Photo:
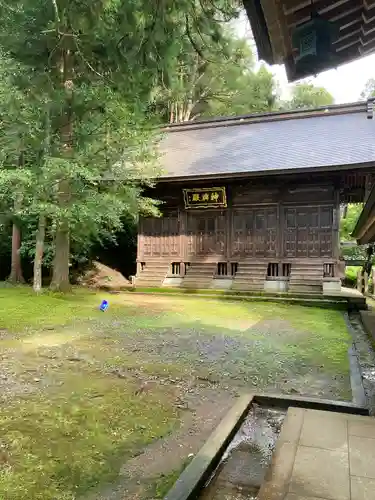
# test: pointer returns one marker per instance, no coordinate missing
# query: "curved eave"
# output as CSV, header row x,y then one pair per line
x,y
364,231
261,173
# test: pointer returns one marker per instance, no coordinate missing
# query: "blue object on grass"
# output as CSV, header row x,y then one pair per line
x,y
104,305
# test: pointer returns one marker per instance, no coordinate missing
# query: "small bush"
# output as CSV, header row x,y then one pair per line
x,y
351,273
354,252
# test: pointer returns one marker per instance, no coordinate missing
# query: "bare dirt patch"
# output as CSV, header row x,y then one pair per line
x,y
102,277
204,410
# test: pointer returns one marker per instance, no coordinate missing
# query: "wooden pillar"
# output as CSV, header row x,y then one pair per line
x,y
229,224
359,281
281,228
140,247
182,269
183,234
368,186
336,226
365,284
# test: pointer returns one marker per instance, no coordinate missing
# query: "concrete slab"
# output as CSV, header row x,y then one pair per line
x,y
324,431
362,488
322,455
362,457
321,473
293,496
362,429
291,429
276,481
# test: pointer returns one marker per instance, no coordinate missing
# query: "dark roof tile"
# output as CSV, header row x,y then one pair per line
x,y
268,146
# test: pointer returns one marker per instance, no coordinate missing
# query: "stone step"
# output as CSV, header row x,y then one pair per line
x,y
307,280
207,275
306,277
153,272
149,283
247,288
303,277
307,271
251,269
145,272
259,275
305,288
249,278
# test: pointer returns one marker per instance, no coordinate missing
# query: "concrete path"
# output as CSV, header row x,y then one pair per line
x,y
322,456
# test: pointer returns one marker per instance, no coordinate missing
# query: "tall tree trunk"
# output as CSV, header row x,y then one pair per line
x,y
16,275
60,276
39,250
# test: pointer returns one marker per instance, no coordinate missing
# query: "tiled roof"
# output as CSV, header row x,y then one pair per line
x,y
270,143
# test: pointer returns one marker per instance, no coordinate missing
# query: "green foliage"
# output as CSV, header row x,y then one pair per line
x,y
369,89
307,95
80,124
349,220
220,80
351,273
354,252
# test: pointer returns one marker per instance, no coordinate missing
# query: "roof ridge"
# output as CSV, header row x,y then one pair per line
x,y
330,110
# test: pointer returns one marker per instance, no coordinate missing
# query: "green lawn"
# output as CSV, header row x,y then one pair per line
x,y
83,391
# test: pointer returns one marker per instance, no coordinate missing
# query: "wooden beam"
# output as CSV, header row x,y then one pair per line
x,y
355,44
367,39
350,20
367,49
348,35
351,28
341,43
341,11
292,6
368,13
368,27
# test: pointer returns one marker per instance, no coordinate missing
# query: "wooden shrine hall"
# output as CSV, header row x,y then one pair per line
x,y
253,203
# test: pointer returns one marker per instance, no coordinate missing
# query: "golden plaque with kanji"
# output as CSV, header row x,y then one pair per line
x,y
205,198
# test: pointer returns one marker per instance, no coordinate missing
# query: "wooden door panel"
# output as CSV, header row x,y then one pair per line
x,y
255,232
170,237
272,231
290,233
206,234
308,231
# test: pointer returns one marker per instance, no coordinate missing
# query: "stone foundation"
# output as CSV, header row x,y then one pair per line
x,y
276,285
331,286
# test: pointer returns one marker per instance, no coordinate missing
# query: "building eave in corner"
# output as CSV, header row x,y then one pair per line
x,y
364,222
255,14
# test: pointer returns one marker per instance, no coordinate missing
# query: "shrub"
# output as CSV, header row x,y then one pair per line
x,y
351,273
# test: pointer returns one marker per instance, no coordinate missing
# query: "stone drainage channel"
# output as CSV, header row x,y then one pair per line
x,y
242,467
244,463
362,363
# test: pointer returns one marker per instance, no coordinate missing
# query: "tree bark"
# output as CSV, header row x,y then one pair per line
x,y
39,250
16,275
60,276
